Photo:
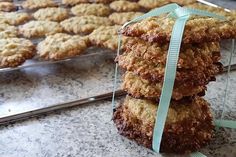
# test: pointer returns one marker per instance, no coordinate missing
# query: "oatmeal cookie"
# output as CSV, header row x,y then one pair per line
x,y
197,30
151,4
91,9
14,18
191,56
141,88
84,24
14,51
8,31
7,6
153,71
61,46
231,16
74,2
106,37
36,4
51,14
124,6
40,28
122,18
188,127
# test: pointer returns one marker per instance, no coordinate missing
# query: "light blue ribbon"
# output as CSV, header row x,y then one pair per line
x,y
181,15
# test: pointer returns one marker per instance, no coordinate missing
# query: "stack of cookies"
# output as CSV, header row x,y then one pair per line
x,y
189,124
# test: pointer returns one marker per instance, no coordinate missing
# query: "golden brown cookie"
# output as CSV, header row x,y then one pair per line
x,y
188,127
106,37
154,71
151,4
84,24
14,18
40,28
61,46
8,31
141,88
74,2
124,6
36,4
7,6
122,18
91,9
14,51
221,11
191,56
51,14
197,30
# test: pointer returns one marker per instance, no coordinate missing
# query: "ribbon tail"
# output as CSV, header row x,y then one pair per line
x,y
197,154
225,123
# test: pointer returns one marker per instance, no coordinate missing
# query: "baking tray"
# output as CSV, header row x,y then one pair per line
x,y
38,87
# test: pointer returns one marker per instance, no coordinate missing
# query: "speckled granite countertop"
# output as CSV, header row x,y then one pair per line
x,y
86,131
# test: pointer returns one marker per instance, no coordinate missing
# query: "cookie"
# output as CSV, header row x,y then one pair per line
x,y
151,4
36,4
61,46
197,30
14,51
231,16
40,28
122,18
14,18
141,88
8,31
91,9
51,14
84,24
74,2
7,6
153,71
106,37
124,6
188,127
191,56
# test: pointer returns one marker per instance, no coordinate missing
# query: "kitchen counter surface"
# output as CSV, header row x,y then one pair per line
x,y
87,130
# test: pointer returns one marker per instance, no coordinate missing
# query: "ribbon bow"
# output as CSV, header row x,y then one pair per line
x,y
181,15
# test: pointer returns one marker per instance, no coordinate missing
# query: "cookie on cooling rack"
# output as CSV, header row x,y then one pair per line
x,y
15,51
106,37
36,4
40,28
8,31
122,18
151,4
124,6
84,24
7,6
61,46
14,18
91,9
51,14
74,2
